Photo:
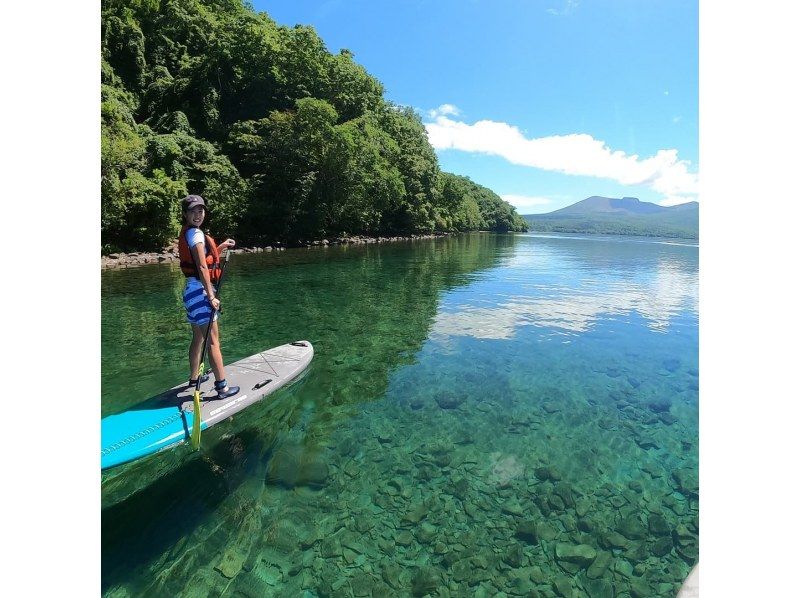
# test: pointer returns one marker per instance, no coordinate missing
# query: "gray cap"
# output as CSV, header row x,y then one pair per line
x,y
191,201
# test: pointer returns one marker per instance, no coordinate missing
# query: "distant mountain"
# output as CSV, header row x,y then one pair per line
x,y
626,216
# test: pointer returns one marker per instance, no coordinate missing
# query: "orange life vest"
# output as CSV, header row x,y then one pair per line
x,y
187,258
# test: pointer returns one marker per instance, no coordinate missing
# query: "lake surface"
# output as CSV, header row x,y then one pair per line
x,y
484,414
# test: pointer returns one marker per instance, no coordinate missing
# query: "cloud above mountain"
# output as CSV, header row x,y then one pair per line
x,y
574,154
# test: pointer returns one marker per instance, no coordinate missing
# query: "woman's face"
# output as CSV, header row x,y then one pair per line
x,y
195,216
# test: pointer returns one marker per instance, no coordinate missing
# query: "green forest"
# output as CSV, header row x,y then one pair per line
x,y
285,140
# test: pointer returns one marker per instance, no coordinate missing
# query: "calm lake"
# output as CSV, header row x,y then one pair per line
x,y
484,414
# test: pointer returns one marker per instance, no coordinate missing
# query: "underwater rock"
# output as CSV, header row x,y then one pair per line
x,y
634,382
582,507
658,525
600,565
614,540
519,586
363,584
587,525
547,473
662,546
688,552
404,538
667,418
636,552
231,563
562,586
416,514
330,548
425,581
387,546
514,556
471,510
646,442
640,588
599,588
555,502
660,406
564,490
632,528
284,466
513,508
314,471
461,570
526,530
426,533
546,531
449,400
687,482
459,488
416,403
671,364
579,554
618,501
624,568
391,574
551,407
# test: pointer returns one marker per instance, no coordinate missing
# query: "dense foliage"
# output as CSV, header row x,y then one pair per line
x,y
654,225
285,140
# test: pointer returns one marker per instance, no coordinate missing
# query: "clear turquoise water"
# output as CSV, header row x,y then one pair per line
x,y
484,414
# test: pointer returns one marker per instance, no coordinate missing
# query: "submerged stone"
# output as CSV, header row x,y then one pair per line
x,y
600,565
391,574
632,528
514,556
425,581
614,540
599,588
662,546
580,554
640,588
687,482
449,399
546,531
527,531
658,525
426,533
563,586
404,538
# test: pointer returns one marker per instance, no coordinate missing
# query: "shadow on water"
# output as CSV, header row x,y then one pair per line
x,y
148,523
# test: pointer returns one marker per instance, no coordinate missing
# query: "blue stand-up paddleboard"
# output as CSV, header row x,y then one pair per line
x,y
166,420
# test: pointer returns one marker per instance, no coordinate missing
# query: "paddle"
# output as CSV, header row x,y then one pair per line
x,y
197,417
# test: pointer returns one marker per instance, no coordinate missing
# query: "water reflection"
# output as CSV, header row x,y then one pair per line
x,y
566,286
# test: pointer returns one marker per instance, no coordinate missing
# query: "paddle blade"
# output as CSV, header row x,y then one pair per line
x,y
196,421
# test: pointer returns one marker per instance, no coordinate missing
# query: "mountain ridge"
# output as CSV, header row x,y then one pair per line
x,y
624,216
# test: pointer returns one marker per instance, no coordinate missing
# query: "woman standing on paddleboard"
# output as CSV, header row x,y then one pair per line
x,y
199,260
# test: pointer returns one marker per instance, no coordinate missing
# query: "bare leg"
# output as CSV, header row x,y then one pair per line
x,y
215,353
195,348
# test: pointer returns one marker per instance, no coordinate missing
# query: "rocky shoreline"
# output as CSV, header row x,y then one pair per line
x,y
170,254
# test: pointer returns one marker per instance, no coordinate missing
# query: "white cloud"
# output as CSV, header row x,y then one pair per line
x,y
526,201
569,8
444,110
676,119
574,154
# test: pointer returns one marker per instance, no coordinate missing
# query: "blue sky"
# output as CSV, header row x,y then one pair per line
x,y
546,102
